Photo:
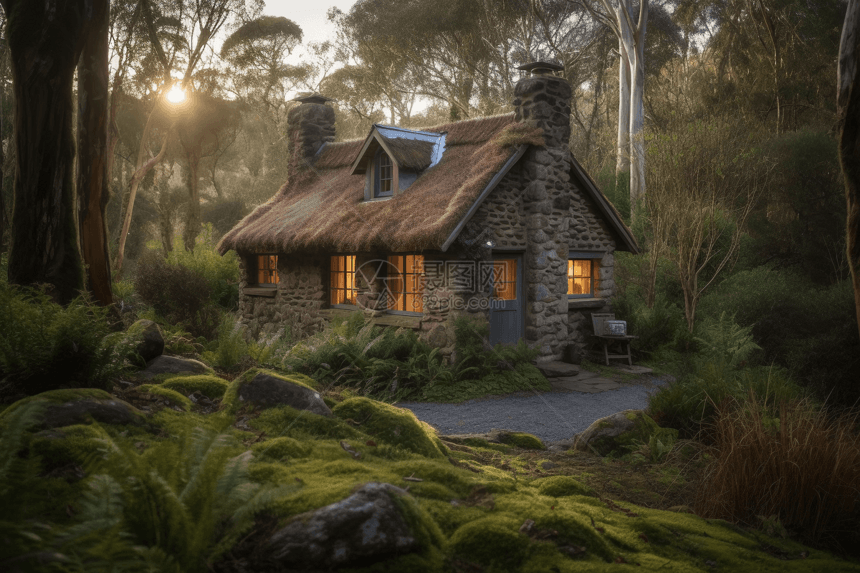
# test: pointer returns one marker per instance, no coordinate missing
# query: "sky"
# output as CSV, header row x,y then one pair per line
x,y
310,15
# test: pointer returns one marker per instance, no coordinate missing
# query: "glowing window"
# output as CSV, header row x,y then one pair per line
x,y
505,279
343,289
582,277
267,270
405,283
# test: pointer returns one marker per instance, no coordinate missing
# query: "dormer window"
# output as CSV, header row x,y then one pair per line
x,y
384,175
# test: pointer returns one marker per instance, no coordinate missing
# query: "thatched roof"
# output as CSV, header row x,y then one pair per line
x,y
324,209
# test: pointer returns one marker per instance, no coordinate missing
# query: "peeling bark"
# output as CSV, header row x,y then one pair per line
x,y
92,158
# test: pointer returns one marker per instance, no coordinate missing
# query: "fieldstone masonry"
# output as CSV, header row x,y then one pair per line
x,y
536,210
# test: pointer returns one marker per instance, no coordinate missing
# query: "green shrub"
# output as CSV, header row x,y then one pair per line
x,y
44,345
221,273
177,293
807,328
692,401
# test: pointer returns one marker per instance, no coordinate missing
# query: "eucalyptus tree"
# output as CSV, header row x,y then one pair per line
x,y
46,40
457,51
256,54
180,33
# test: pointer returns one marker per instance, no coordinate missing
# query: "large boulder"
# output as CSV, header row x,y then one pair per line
x,y
151,343
366,527
172,365
268,390
621,431
81,406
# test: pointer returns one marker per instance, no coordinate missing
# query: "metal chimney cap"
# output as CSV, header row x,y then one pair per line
x,y
541,68
313,98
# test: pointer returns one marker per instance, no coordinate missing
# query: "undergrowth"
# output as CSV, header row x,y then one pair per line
x,y
44,345
396,365
791,468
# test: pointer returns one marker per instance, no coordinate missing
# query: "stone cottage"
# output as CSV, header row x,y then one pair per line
x,y
491,217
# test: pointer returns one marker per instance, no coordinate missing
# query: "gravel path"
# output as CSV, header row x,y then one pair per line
x,y
551,416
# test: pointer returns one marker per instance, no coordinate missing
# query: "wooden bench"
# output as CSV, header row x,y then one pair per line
x,y
621,343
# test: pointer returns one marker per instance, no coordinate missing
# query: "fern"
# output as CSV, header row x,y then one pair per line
x,y
182,499
725,342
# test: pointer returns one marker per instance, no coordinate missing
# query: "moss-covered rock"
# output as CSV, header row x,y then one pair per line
x,y
172,397
492,541
620,432
561,486
81,406
281,448
521,440
210,386
172,366
150,341
267,389
396,426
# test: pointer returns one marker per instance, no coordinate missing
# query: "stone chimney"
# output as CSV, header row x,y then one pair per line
x,y
309,126
542,99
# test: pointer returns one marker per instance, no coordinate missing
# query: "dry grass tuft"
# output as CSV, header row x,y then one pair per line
x,y
800,471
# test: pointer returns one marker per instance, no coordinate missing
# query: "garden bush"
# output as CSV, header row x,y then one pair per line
x,y
177,293
44,345
807,328
691,403
221,273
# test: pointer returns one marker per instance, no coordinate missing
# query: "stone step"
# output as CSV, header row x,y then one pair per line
x,y
589,385
557,369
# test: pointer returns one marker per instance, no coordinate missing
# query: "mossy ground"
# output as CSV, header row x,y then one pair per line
x,y
476,506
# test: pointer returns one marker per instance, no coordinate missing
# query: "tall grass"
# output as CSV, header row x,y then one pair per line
x,y
801,468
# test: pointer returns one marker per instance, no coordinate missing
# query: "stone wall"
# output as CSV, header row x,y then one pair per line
x,y
299,295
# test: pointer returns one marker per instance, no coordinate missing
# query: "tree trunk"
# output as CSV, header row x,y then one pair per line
x,y
637,112
45,41
848,104
192,220
136,178
92,180
622,160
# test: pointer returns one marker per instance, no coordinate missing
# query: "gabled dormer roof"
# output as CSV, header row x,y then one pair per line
x,y
409,149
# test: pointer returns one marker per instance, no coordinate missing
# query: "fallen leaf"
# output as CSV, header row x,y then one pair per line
x,y
644,538
370,443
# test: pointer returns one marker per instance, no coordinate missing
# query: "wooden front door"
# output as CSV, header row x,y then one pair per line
x,y
506,301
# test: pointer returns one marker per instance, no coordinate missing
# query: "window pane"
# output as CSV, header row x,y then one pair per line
x,y
505,279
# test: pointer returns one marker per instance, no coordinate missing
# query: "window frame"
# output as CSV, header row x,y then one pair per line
x,y
595,259
406,274
377,175
331,289
255,262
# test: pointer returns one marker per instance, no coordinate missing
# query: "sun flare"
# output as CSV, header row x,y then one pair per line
x,y
176,94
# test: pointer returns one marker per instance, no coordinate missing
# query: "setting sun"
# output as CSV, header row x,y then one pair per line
x,y
176,94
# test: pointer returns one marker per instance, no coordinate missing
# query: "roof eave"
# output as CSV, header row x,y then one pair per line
x,y
359,165
609,213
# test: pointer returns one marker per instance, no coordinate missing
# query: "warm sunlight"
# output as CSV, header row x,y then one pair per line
x,y
176,94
